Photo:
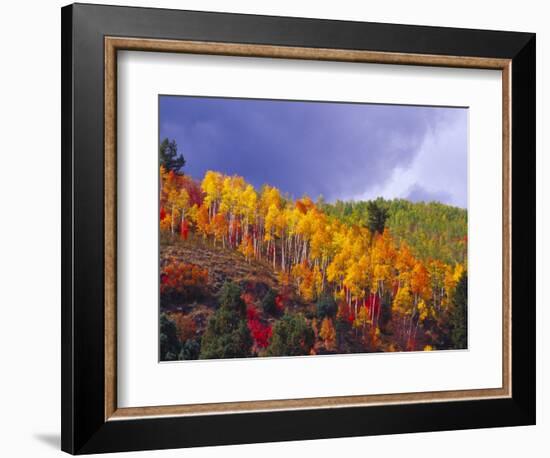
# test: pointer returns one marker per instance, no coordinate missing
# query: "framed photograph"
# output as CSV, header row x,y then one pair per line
x,y
281,228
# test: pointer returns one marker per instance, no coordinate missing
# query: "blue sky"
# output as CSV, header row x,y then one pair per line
x,y
337,150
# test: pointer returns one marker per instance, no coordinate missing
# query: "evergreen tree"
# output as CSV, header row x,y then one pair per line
x,y
343,328
169,341
268,302
292,336
459,314
227,334
169,157
326,306
377,216
230,297
190,350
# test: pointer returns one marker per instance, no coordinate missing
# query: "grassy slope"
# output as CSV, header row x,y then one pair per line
x,y
222,264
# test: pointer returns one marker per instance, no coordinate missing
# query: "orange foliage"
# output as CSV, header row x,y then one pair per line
x,y
185,325
184,280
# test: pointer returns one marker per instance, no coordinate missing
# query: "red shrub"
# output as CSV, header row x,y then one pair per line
x,y
252,313
261,333
183,281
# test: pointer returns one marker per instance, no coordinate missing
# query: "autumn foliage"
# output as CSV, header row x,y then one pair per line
x,y
390,290
260,331
183,280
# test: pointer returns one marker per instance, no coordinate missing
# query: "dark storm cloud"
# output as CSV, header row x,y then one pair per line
x,y
338,150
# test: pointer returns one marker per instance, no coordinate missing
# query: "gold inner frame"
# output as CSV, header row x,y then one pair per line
x,y
114,44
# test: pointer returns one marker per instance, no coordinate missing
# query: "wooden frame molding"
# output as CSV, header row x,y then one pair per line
x,y
114,44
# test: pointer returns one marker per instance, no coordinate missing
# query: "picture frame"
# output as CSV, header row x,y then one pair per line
x,y
92,35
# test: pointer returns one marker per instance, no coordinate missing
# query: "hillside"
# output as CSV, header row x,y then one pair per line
x,y
248,272
222,264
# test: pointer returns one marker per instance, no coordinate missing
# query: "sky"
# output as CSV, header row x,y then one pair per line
x,y
338,150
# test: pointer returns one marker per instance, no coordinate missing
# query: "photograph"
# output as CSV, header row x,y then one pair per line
x,y
303,228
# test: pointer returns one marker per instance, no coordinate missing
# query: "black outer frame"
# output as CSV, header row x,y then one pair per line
x,y
84,429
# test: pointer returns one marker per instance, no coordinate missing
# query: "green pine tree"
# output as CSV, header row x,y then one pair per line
x,y
292,336
227,334
459,314
169,157
170,344
377,216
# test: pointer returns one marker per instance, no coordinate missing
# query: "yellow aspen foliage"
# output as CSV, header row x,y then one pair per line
x,y
317,281
219,227
202,221
321,236
247,247
424,311
231,195
458,271
212,184
250,203
166,222
362,319
404,262
403,301
270,196
181,201
451,278
419,279
192,213
271,222
305,280
336,270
